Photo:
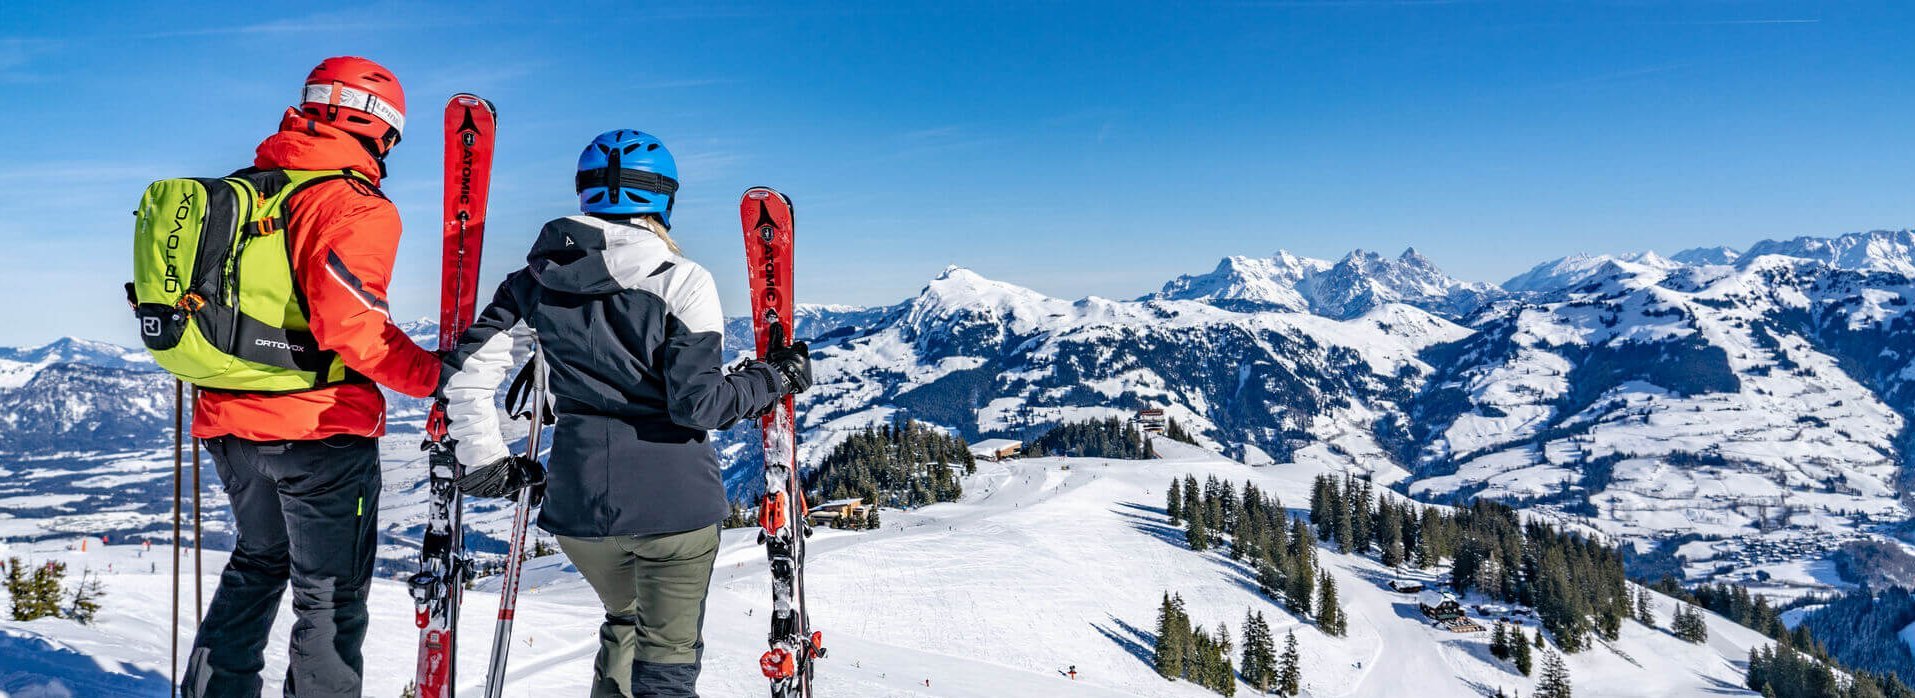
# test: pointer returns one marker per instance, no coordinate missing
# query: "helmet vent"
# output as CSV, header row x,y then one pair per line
x,y
649,147
628,149
595,198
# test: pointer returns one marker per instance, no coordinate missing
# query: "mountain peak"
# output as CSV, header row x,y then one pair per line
x,y
1876,250
1707,256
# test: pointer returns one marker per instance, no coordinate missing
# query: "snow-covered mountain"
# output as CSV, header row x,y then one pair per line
x,y
1880,250
985,357
1249,283
1713,401
1768,398
1362,281
1576,270
1707,256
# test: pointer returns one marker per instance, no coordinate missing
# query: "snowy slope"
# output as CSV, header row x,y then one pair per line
x,y
1045,563
1712,401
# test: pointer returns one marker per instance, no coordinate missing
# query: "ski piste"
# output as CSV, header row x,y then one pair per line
x,y
443,566
766,215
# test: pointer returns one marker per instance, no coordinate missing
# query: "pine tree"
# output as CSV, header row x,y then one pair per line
x,y
1197,534
1213,504
1172,638
1519,649
1224,681
1554,682
1289,668
1361,523
1259,652
1428,550
1320,507
18,590
1689,625
1193,499
1227,505
36,594
1174,503
1302,573
1609,623
736,518
1330,616
84,603
1645,608
1499,641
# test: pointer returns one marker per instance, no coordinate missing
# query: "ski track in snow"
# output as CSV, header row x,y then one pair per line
x,y
1044,564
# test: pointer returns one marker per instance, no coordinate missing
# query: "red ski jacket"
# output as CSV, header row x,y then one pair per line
x,y
344,238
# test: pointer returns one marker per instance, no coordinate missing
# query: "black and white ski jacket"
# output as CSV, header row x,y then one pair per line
x,y
632,340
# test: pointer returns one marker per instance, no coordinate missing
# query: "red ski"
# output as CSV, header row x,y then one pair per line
x,y
443,566
766,215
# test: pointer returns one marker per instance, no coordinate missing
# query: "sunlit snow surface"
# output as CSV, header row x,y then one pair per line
x,y
1044,564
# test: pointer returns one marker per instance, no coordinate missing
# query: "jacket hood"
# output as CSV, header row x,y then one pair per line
x,y
305,144
595,257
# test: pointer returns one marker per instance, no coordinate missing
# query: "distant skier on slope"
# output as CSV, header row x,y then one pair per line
x,y
631,334
302,466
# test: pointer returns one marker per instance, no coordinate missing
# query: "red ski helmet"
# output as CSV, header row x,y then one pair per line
x,y
358,96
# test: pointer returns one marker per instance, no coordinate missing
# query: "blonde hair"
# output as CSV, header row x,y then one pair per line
x,y
650,221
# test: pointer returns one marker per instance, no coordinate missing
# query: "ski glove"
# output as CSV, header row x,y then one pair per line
x,y
793,364
505,477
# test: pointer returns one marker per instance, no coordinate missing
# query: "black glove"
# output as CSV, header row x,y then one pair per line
x,y
505,477
793,364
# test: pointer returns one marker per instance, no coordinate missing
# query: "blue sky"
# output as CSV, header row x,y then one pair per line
x,y
1076,148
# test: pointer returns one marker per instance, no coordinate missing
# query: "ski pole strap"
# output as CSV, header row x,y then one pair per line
x,y
520,393
629,179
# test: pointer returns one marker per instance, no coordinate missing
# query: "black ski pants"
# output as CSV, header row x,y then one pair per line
x,y
307,513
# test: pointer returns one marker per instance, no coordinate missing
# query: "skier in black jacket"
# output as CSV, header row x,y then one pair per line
x,y
631,336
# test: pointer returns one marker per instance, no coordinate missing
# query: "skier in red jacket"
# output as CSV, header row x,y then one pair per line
x,y
302,469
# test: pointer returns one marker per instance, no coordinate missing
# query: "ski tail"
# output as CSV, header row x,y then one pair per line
x,y
766,216
470,129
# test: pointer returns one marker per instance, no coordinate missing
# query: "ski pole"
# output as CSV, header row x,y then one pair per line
x,y
521,515
199,606
179,421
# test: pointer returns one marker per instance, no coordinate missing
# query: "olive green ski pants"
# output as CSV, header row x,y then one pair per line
x,y
653,588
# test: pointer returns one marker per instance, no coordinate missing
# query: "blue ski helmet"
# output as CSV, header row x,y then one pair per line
x,y
627,172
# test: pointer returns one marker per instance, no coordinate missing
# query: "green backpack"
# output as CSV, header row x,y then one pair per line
x,y
213,283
